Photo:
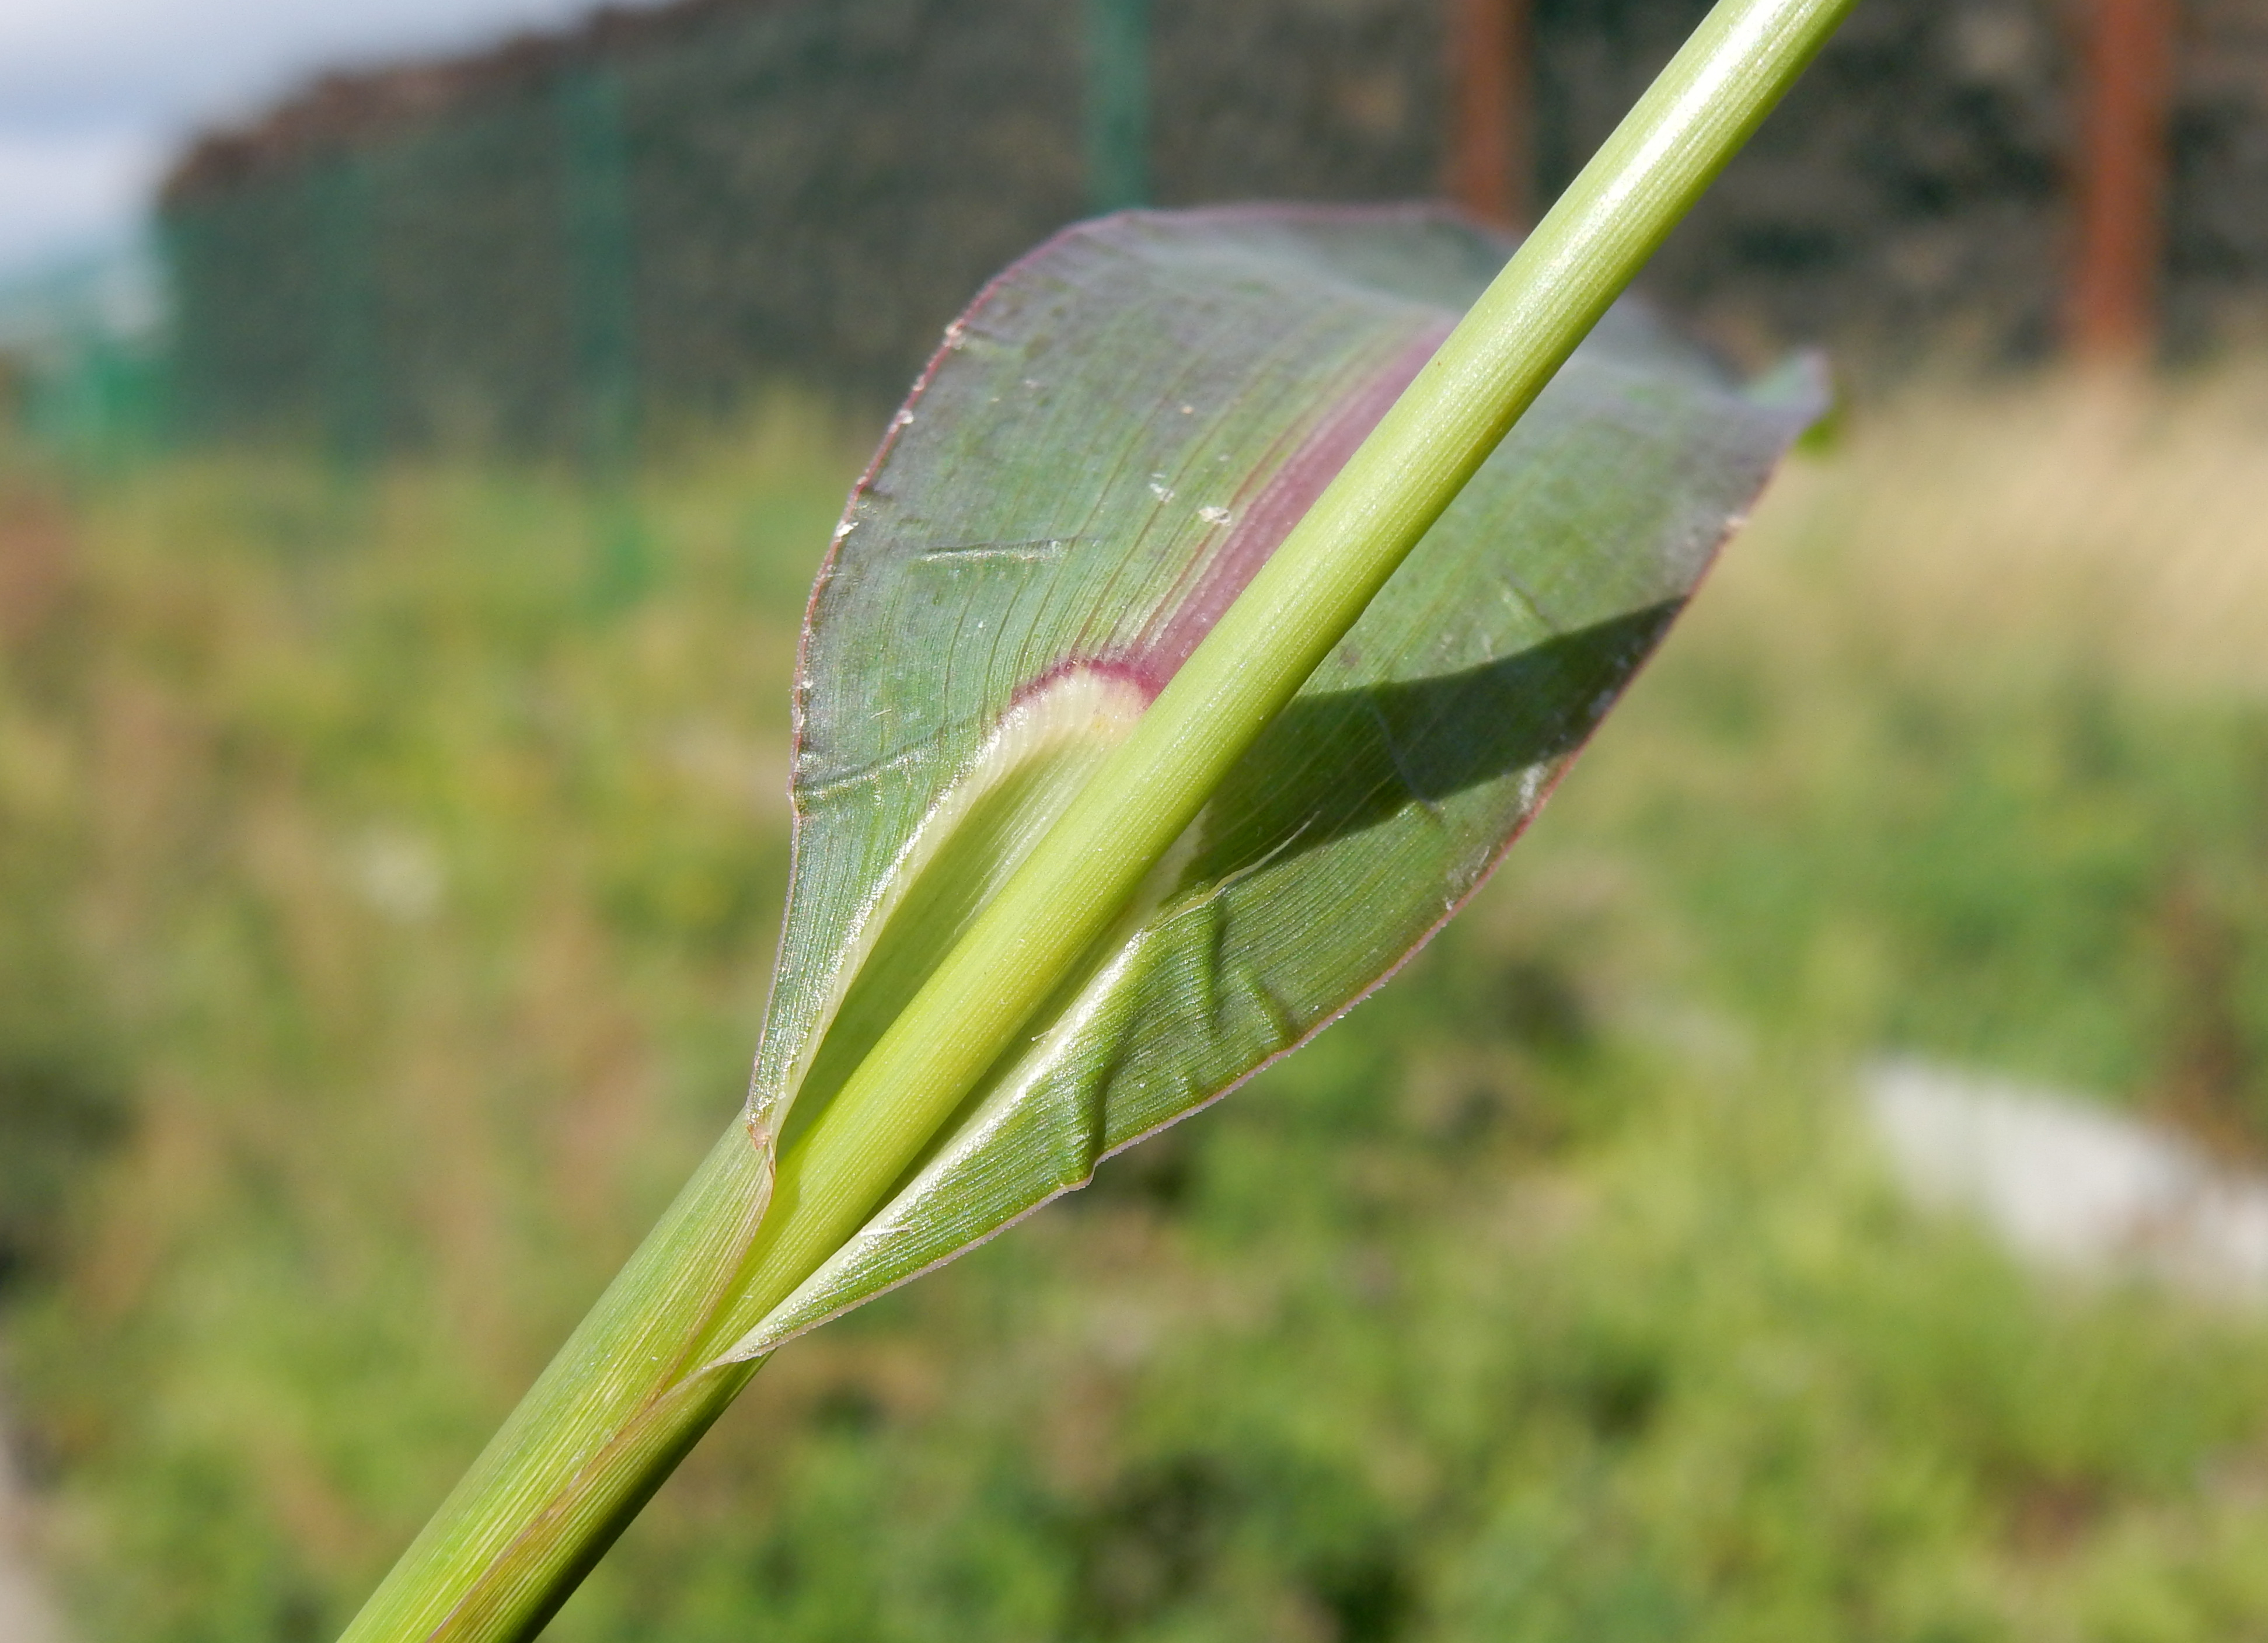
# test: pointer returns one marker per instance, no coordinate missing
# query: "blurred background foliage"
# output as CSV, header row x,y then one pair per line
x,y
389,867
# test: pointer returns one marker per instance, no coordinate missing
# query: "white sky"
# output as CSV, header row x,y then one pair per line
x,y
95,94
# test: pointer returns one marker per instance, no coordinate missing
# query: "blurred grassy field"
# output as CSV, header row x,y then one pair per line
x,y
388,872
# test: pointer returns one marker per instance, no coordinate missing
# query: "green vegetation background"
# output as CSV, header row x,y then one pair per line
x,y
388,870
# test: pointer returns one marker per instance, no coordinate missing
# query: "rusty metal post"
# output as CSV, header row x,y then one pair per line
x,y
1489,109
2112,313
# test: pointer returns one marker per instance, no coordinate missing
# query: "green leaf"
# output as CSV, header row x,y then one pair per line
x,y
1113,440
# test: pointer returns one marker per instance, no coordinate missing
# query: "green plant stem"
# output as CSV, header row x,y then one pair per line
x,y
649,1370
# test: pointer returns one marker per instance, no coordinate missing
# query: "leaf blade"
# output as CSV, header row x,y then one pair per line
x,y
1403,769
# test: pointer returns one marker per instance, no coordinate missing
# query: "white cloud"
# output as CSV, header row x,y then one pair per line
x,y
200,58
62,190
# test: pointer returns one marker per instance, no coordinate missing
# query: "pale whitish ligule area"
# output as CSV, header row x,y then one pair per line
x,y
976,835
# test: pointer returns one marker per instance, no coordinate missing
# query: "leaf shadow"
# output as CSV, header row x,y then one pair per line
x,y
1343,761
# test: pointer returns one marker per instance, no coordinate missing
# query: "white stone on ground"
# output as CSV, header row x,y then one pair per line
x,y
2070,1186
26,1613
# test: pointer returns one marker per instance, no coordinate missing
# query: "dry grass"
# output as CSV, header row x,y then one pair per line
x,y
2090,519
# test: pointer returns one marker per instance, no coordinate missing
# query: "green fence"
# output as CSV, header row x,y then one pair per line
x,y
569,244
96,401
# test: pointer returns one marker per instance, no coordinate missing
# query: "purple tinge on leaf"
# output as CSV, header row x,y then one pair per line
x,y
1282,497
